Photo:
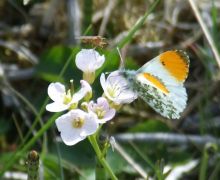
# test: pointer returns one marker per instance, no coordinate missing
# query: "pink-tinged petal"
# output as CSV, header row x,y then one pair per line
x,y
82,60
127,97
90,125
69,134
56,107
110,114
64,122
102,110
56,91
102,81
71,140
114,78
91,106
116,88
85,88
105,86
100,61
88,60
103,102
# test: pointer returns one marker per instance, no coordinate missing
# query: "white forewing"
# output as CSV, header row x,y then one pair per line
x,y
160,83
155,68
169,105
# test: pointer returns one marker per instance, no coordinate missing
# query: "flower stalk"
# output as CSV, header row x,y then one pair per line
x,y
101,157
33,165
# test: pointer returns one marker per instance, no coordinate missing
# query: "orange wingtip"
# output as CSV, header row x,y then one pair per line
x,y
176,63
156,82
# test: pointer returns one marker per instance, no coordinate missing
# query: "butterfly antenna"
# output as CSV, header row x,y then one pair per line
x,y
122,62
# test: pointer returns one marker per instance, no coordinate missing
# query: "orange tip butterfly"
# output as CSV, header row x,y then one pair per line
x,y
159,82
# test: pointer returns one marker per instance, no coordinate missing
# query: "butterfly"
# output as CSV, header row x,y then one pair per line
x,y
160,82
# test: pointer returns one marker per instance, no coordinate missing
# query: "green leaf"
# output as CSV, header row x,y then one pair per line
x,y
150,126
80,154
116,162
53,60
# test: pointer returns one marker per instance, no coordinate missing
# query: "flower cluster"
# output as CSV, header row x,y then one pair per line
x,y
84,115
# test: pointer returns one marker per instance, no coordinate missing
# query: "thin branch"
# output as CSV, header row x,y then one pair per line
x,y
107,13
21,51
74,17
48,17
128,158
168,138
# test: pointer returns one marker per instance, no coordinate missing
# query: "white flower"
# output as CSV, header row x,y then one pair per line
x,y
116,88
102,110
63,99
89,60
85,90
76,125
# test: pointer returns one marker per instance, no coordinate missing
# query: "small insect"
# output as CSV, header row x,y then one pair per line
x,y
96,41
159,82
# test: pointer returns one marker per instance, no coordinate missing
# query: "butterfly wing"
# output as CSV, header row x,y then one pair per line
x,y
160,83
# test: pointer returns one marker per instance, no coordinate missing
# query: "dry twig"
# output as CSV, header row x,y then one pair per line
x,y
168,138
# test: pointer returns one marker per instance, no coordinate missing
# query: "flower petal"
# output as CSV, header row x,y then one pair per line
x,y
85,88
90,125
56,91
116,88
68,133
71,140
114,77
103,102
127,96
105,87
88,60
108,116
56,107
100,61
103,81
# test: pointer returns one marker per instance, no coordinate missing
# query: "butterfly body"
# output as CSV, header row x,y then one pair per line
x,y
160,83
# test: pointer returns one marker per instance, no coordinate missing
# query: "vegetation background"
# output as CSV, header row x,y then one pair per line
x,y
38,43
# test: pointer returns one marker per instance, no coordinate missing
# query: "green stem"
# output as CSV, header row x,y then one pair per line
x,y
99,154
19,153
42,109
137,26
203,166
33,165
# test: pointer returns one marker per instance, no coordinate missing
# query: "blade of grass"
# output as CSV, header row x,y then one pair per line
x,y
18,127
145,158
137,26
26,146
42,109
62,177
205,31
203,166
23,147
130,161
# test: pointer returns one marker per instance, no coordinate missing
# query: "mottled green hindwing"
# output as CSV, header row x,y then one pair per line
x,y
159,101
